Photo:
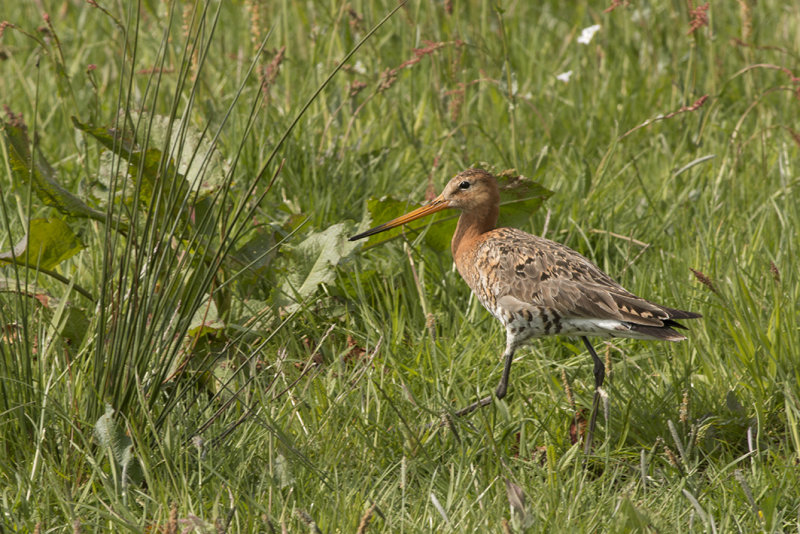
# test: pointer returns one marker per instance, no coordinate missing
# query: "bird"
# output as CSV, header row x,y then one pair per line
x,y
537,287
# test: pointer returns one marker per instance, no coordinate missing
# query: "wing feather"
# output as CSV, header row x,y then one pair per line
x,y
543,273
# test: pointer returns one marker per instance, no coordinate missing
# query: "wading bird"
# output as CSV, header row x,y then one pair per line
x,y
536,287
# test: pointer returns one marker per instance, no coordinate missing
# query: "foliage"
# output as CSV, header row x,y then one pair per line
x,y
189,342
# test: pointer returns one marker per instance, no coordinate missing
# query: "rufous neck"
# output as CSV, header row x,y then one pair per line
x,y
471,225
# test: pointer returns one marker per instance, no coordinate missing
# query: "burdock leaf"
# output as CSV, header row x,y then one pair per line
x,y
205,320
41,176
147,162
156,174
519,199
251,262
196,156
48,243
112,437
312,263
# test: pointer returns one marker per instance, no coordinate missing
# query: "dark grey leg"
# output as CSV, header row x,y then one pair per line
x,y
502,387
599,377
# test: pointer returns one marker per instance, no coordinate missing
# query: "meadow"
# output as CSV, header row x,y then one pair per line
x,y
190,343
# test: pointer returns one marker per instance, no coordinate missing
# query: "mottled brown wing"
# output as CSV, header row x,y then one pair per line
x,y
547,274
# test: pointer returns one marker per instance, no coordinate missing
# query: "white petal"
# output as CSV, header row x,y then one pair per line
x,y
564,76
587,34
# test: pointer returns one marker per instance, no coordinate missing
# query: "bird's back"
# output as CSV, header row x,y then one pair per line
x,y
537,287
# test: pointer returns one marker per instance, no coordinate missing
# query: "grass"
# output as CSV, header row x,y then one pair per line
x,y
264,377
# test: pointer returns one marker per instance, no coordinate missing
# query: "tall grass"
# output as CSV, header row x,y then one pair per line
x,y
216,357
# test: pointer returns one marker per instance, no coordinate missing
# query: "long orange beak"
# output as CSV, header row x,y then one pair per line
x,y
437,204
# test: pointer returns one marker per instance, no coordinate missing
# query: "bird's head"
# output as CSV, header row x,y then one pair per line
x,y
471,190
468,190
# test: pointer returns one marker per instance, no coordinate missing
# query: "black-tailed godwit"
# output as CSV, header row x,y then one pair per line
x,y
536,287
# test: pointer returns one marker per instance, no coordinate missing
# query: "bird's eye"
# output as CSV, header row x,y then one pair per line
x,y
464,185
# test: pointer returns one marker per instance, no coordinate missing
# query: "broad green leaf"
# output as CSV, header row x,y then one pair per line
x,y
112,437
198,160
312,263
520,198
251,261
440,234
74,326
283,471
517,213
111,176
147,166
194,162
41,176
29,289
258,251
48,243
148,162
514,186
205,319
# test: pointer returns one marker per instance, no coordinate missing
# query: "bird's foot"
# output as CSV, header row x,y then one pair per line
x,y
474,406
448,420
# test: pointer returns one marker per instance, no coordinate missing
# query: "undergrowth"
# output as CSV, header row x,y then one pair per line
x,y
190,343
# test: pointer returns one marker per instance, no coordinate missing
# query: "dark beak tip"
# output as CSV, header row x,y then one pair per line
x,y
357,237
